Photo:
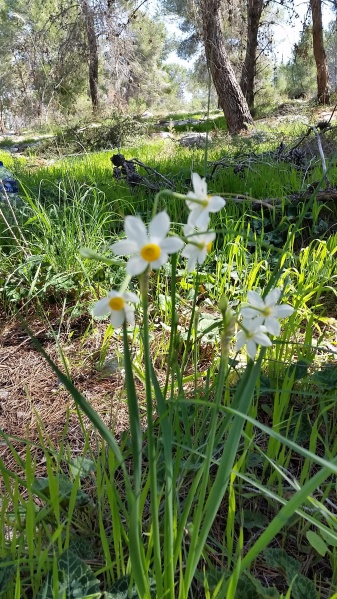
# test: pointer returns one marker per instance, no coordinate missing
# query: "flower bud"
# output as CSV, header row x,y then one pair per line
x,y
229,318
223,304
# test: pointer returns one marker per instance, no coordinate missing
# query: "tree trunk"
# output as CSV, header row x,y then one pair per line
x,y
88,14
323,95
254,11
231,98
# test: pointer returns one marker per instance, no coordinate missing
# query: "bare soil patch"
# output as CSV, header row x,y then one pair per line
x,y
34,405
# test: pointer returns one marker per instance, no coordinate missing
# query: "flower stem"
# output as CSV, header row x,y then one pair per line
x,y
125,284
151,444
174,194
170,360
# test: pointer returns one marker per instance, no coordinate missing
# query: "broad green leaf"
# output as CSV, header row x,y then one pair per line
x,y
81,466
76,580
317,542
303,588
326,378
278,558
248,586
7,571
252,519
120,589
82,547
329,537
300,369
65,486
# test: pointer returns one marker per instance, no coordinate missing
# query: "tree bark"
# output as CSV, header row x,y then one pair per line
x,y
231,98
88,14
254,11
323,95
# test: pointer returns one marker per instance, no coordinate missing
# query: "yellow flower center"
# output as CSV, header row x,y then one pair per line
x,y
267,311
116,303
150,252
202,245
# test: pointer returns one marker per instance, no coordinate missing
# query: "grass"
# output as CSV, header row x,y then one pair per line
x,y
216,123
228,488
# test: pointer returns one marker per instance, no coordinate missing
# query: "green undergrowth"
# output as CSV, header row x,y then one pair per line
x,y
228,490
68,531
76,202
215,123
176,116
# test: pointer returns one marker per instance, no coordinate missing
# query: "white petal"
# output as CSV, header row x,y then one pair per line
x,y
129,314
283,311
159,226
191,194
193,206
135,230
248,312
252,324
101,307
190,250
251,348
240,340
196,209
273,297
189,229
163,258
209,237
215,204
201,257
255,300
124,247
202,221
129,296
272,325
117,318
262,339
192,263
171,245
136,266
199,186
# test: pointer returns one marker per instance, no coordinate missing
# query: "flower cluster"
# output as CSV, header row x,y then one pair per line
x,y
150,247
260,317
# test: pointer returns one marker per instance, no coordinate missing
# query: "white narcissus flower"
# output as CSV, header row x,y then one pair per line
x,y
147,248
265,310
198,248
117,304
252,335
202,204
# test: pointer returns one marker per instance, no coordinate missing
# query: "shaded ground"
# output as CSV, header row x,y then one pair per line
x,y
32,398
